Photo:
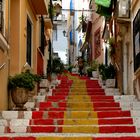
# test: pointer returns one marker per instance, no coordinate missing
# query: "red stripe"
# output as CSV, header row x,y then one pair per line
x,y
95,90
96,93
104,97
23,138
62,104
117,129
118,138
53,109
107,114
107,109
37,114
40,129
54,114
101,104
45,104
42,122
4,138
115,121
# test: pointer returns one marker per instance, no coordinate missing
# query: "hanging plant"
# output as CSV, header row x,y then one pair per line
x,y
83,22
111,42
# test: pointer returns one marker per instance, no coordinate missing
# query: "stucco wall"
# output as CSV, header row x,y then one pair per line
x,y
3,84
14,36
25,12
96,24
20,10
4,60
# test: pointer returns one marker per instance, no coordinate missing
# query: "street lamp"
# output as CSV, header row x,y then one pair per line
x,y
64,33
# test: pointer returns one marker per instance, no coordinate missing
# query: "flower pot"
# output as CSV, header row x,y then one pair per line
x,y
110,83
95,74
19,97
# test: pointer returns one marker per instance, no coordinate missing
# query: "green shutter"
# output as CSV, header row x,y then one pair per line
x,y
104,3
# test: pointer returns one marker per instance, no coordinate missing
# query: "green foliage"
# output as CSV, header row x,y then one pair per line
x,y
70,68
94,65
89,72
107,72
111,41
57,66
102,71
25,80
110,72
111,46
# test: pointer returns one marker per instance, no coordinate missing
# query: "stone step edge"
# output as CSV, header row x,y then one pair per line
x,y
70,135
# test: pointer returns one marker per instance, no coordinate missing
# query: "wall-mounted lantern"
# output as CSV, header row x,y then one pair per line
x,y
64,33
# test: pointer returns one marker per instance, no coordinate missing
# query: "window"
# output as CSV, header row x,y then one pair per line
x,y
1,15
29,42
136,41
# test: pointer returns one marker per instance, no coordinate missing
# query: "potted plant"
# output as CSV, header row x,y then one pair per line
x,y
57,66
94,67
89,72
102,73
110,73
20,85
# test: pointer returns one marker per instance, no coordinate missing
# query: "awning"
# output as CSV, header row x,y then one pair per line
x,y
40,6
105,3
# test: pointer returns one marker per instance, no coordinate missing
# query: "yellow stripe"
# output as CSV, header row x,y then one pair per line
x,y
79,97
64,138
79,105
80,114
80,129
81,122
80,109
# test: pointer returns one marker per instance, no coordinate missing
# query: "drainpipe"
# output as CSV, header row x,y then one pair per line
x,y
8,55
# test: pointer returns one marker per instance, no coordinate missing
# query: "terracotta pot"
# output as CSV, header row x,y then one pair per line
x,y
19,97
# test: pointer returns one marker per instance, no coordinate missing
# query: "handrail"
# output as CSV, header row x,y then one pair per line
x,y
2,65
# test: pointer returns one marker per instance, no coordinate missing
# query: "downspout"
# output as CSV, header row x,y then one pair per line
x,y
8,55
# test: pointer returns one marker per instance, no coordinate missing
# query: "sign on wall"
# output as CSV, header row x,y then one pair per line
x,y
136,40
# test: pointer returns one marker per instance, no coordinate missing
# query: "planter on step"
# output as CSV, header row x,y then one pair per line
x,y
95,74
19,97
110,83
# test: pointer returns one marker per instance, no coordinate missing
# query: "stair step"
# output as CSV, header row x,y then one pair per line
x,y
96,121
68,129
69,136
78,104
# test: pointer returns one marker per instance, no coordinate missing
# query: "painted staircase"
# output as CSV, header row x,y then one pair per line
x,y
77,109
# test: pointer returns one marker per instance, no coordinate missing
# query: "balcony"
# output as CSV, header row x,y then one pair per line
x,y
40,7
